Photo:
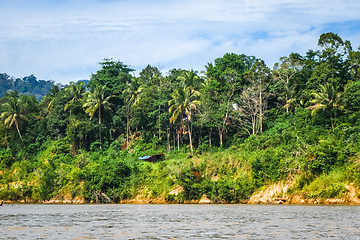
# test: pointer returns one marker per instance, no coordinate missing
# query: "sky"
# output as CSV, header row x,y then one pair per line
x,y
64,40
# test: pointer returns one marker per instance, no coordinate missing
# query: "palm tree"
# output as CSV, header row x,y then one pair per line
x,y
96,101
190,79
13,114
49,98
184,101
76,91
294,103
327,100
132,97
133,92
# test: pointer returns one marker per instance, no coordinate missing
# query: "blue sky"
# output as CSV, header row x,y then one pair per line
x,y
65,40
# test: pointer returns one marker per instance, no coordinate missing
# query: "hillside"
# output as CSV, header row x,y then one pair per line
x,y
239,132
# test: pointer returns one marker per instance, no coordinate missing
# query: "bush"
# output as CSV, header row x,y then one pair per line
x,y
332,191
268,166
6,158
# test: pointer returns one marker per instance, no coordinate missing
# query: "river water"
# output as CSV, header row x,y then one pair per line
x,y
122,221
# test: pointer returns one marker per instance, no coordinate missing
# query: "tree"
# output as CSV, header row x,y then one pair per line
x,y
184,101
260,80
190,79
49,98
113,75
149,72
354,62
76,92
294,103
132,93
132,96
333,47
13,114
193,82
327,100
284,72
246,114
96,101
226,82
332,67
352,96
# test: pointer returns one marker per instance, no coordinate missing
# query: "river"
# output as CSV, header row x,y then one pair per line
x,y
123,221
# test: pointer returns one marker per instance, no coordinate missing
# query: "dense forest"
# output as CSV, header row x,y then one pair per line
x,y
226,132
28,85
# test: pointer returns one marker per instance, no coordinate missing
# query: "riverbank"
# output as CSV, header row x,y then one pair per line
x,y
274,194
239,174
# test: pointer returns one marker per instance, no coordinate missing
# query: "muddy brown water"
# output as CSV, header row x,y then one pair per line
x,y
123,221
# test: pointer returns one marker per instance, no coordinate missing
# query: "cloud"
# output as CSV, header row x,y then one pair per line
x,y
65,40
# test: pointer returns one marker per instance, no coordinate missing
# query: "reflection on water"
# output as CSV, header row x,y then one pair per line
x,y
179,222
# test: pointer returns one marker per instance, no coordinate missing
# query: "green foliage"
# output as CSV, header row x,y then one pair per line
x,y
333,191
107,175
268,166
6,158
352,96
28,85
246,127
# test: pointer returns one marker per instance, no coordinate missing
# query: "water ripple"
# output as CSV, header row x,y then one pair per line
x,y
179,222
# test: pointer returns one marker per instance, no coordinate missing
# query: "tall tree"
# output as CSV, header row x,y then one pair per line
x,y
13,114
132,96
190,79
332,67
133,92
49,98
183,102
96,101
246,111
113,75
327,100
284,72
76,92
227,81
148,73
260,79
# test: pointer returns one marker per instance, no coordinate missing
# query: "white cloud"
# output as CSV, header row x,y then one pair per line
x,y
66,41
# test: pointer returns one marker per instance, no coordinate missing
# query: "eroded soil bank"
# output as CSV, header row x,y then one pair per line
x,y
274,194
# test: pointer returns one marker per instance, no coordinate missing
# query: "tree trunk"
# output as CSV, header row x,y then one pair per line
x,y
253,119
178,138
287,92
127,133
168,140
221,136
17,128
6,140
100,124
260,117
174,143
332,122
131,135
159,125
191,148
209,138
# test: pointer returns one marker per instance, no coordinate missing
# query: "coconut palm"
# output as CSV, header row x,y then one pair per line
x,y
327,100
13,114
190,79
76,91
132,96
294,103
184,101
133,92
96,101
49,98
